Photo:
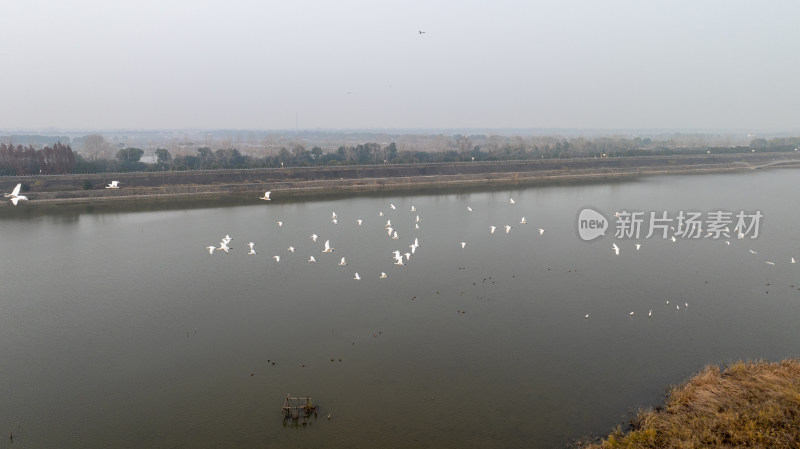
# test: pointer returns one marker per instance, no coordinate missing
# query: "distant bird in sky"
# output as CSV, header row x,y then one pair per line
x,y
413,209
523,221
328,248
511,201
752,252
793,261
342,262
314,237
291,249
277,258
649,314
392,206
383,275
357,277
421,32
541,231
615,248
113,185
280,223
252,251
491,229
312,259
638,245
266,196
508,229
211,249
463,244
360,221
770,263
469,209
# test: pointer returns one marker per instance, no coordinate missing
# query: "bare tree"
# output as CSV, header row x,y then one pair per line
x,y
96,148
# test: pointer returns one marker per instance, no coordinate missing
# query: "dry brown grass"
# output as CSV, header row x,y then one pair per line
x,y
750,404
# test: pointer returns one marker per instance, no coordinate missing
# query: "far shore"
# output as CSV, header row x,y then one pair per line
x,y
338,180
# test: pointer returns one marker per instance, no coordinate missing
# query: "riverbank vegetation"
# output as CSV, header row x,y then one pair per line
x,y
749,404
61,159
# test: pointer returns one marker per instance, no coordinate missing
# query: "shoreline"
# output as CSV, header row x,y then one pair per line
x,y
341,180
746,404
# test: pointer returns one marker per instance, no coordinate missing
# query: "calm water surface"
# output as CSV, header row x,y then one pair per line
x,y
118,329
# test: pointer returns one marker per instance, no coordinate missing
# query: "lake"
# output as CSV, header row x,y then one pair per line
x,y
119,329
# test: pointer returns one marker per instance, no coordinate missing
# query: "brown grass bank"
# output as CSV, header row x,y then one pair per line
x,y
748,405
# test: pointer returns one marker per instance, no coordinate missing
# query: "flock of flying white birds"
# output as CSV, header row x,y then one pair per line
x,y
15,197
401,258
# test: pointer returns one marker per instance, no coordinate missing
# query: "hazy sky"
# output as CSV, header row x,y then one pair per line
x,y
100,64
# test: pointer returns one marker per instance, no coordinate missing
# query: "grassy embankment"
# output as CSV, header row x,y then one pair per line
x,y
749,404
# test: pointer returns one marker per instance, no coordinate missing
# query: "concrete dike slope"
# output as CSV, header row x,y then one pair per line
x,y
293,181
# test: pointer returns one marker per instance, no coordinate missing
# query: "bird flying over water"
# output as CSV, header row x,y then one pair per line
x,y
15,196
266,196
113,185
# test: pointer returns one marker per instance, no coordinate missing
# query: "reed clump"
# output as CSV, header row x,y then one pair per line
x,y
749,404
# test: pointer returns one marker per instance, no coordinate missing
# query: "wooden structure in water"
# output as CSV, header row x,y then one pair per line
x,y
299,407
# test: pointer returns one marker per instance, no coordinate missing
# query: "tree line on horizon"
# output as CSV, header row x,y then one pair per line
x,y
19,160
60,159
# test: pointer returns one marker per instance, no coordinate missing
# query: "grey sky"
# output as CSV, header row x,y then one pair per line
x,y
98,64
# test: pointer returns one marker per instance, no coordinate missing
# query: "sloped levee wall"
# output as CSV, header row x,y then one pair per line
x,y
297,180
